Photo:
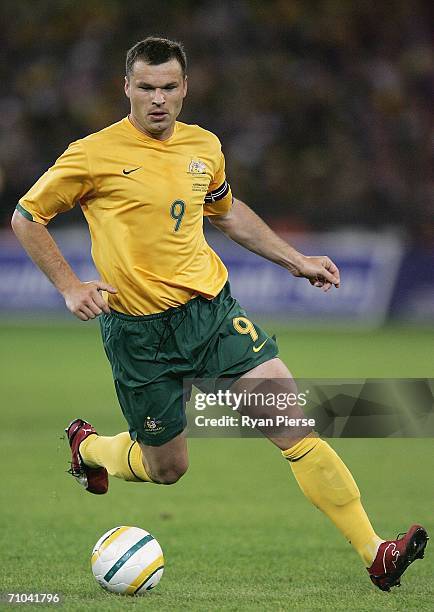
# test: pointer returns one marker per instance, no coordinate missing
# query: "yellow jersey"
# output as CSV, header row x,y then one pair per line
x,y
144,201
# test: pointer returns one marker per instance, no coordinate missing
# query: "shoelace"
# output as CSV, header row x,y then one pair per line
x,y
73,472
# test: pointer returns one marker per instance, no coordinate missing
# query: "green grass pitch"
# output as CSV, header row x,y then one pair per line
x,y
236,532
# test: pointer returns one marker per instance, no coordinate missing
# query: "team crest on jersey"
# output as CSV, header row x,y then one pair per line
x,y
196,167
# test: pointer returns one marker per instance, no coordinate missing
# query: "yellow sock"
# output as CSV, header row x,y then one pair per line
x,y
118,454
328,484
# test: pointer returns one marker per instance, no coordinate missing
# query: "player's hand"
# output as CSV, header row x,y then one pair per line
x,y
85,301
320,271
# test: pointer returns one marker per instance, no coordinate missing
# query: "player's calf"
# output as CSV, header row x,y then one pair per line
x,y
166,472
167,475
167,463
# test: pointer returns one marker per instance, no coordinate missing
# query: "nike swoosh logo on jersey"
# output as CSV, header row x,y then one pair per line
x,y
129,171
256,349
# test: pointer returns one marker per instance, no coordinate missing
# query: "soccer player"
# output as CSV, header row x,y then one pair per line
x,y
144,185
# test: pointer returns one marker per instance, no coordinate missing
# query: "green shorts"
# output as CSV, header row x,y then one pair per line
x,y
151,355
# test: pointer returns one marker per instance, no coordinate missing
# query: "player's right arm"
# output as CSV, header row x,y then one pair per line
x,y
84,300
68,181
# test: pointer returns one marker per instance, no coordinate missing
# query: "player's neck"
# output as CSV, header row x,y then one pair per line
x,y
163,136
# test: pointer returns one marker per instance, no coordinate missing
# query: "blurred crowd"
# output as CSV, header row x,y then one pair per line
x,y
323,107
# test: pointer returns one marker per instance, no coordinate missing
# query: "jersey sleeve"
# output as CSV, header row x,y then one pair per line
x,y
218,200
58,189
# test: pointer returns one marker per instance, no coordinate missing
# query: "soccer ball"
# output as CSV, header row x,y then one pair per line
x,y
127,560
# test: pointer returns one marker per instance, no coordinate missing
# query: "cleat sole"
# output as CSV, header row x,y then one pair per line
x,y
415,550
94,480
418,542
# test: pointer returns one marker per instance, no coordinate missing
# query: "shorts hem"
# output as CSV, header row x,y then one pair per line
x,y
233,379
159,440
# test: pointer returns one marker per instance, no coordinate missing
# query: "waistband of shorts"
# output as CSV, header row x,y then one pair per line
x,y
157,315
170,311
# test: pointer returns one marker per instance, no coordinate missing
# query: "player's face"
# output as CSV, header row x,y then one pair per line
x,y
156,94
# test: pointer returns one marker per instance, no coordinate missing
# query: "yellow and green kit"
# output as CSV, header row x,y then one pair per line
x,y
144,201
152,355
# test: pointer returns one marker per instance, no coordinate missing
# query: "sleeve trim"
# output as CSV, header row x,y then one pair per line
x,y
217,194
24,212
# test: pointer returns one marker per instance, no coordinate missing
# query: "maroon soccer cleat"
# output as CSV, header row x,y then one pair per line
x,y
394,556
94,480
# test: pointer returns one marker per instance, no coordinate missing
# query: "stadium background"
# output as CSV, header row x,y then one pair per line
x,y
324,111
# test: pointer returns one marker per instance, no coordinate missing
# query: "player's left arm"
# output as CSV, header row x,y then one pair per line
x,y
244,226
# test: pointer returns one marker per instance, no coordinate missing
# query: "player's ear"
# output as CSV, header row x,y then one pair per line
x,y
127,87
185,86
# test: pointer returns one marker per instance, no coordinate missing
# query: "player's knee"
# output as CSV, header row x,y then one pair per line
x,y
170,474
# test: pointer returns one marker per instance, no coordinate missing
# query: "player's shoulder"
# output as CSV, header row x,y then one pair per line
x,y
104,135
197,132
92,145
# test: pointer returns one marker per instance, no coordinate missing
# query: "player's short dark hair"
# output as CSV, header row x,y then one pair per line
x,y
154,51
